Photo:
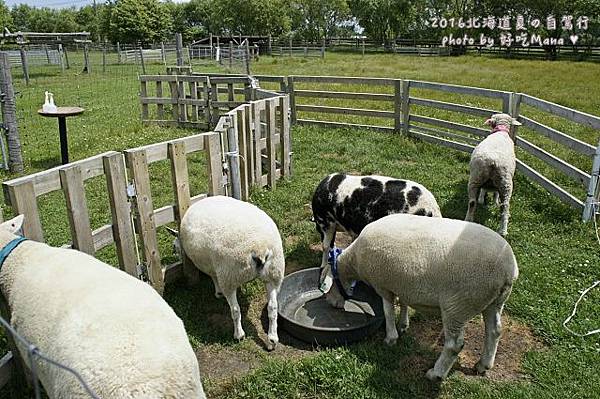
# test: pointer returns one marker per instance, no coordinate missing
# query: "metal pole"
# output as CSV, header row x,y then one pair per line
x,y
591,200
142,60
230,54
24,63
247,57
234,160
179,46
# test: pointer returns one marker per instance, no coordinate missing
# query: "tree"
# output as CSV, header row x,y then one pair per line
x,y
382,20
6,20
317,19
139,20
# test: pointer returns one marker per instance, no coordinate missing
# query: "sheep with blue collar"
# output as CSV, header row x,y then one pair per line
x,y
452,267
234,242
492,168
113,329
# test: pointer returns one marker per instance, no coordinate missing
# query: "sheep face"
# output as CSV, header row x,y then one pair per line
x,y
14,225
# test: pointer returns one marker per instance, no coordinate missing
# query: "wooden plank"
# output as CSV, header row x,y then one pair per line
x,y
194,101
476,91
265,78
345,80
426,130
345,111
292,94
175,98
166,214
271,142
77,210
583,118
212,144
179,177
344,125
144,94
438,140
159,151
466,109
284,137
159,94
256,110
345,95
21,197
265,178
549,185
568,169
206,97
154,78
240,125
405,108
564,139
156,100
49,180
138,166
449,125
102,237
397,105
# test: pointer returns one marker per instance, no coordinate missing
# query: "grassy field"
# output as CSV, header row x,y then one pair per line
x,y
557,253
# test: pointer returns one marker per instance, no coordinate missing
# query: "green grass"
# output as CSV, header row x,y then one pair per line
x,y
557,253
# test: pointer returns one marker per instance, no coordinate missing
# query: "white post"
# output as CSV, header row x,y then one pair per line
x,y
589,209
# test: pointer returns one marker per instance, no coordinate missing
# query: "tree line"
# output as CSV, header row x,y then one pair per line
x,y
129,21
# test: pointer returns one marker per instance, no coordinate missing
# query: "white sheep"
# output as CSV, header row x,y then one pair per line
x,y
492,168
115,330
450,266
234,242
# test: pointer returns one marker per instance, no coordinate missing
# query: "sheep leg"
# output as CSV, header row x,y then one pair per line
x,y
505,195
496,198
391,333
472,203
272,290
236,314
453,344
404,322
481,199
328,242
493,329
218,291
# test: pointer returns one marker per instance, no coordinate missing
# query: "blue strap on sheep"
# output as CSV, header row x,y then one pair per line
x,y
4,252
332,258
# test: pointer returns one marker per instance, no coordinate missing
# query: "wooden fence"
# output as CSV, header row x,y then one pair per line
x,y
400,100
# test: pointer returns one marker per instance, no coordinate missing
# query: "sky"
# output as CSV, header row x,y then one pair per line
x,y
59,3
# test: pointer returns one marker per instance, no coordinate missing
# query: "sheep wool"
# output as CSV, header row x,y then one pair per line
x,y
456,268
492,168
112,328
234,242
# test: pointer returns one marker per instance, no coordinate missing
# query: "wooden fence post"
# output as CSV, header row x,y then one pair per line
x,y
77,210
146,227
24,63
119,52
292,99
142,60
323,48
247,57
240,127
284,137
104,57
86,58
68,66
179,48
291,53
47,54
593,193
514,109
114,169
181,189
212,143
397,105
230,54
255,113
270,45
271,150
406,107
9,116
22,200
163,53
60,57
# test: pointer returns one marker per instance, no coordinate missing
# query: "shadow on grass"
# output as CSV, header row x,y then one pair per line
x,y
46,162
207,319
456,206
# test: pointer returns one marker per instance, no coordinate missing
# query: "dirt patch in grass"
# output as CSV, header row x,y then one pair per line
x,y
517,339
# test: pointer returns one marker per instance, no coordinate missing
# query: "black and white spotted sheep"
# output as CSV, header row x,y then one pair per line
x,y
348,203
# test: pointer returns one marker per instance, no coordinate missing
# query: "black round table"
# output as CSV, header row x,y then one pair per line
x,y
62,113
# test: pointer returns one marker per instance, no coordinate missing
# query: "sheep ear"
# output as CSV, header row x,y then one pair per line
x,y
14,225
515,122
268,255
489,122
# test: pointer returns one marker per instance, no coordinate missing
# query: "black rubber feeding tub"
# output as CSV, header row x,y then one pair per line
x,y
305,314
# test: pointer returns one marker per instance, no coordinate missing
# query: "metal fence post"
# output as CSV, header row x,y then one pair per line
x,y
9,116
406,107
592,198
